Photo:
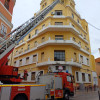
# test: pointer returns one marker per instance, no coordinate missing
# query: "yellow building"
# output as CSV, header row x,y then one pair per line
x,y
61,39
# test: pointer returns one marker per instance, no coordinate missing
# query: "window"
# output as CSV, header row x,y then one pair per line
x,y
58,12
59,55
43,6
43,26
33,76
34,58
81,59
15,63
21,49
36,31
78,21
3,29
72,15
89,77
62,1
87,61
64,67
43,39
28,47
84,36
29,36
74,39
35,44
69,79
20,62
59,37
7,4
27,60
73,25
83,77
75,57
42,56
58,23
79,43
86,28
77,76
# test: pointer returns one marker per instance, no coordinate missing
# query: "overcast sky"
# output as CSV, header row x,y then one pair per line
x,y
88,9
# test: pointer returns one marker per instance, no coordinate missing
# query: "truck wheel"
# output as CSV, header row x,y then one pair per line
x,y
66,96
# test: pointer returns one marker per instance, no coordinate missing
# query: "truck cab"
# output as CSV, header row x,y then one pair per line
x,y
67,83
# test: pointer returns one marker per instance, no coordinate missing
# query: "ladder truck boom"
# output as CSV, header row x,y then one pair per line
x,y
9,42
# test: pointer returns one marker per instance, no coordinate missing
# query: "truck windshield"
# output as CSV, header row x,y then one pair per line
x,y
69,79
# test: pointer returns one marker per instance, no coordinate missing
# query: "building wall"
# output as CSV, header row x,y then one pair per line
x,y
98,69
75,43
6,17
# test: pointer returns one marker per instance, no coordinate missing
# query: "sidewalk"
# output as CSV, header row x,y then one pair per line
x,y
83,95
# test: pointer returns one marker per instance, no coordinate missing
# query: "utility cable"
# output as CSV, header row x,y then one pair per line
x,y
94,26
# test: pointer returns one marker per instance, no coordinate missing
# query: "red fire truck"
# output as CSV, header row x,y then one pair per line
x,y
9,74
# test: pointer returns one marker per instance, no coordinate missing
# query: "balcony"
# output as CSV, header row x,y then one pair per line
x,y
68,62
22,43
56,28
52,42
83,39
85,51
60,42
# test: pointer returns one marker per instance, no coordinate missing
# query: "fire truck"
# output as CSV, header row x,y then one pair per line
x,y
47,89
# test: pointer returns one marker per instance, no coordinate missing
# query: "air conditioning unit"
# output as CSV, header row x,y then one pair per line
x,y
52,13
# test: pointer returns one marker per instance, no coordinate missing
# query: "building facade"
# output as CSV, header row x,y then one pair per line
x,y
6,10
61,39
98,69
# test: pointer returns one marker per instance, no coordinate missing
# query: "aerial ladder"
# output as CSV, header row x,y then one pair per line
x,y
9,74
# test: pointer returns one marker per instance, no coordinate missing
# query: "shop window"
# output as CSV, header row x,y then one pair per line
x,y
83,77
33,76
89,77
77,76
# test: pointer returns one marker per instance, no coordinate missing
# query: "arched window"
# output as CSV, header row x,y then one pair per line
x,y
7,4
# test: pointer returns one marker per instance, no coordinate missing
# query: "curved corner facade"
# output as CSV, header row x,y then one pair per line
x,y
61,39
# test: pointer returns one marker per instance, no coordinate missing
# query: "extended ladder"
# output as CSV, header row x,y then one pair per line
x,y
18,34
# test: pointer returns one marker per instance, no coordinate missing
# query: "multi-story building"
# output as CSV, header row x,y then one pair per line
x,y
98,69
6,10
61,39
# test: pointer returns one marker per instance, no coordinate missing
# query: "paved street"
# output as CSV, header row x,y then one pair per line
x,y
86,96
